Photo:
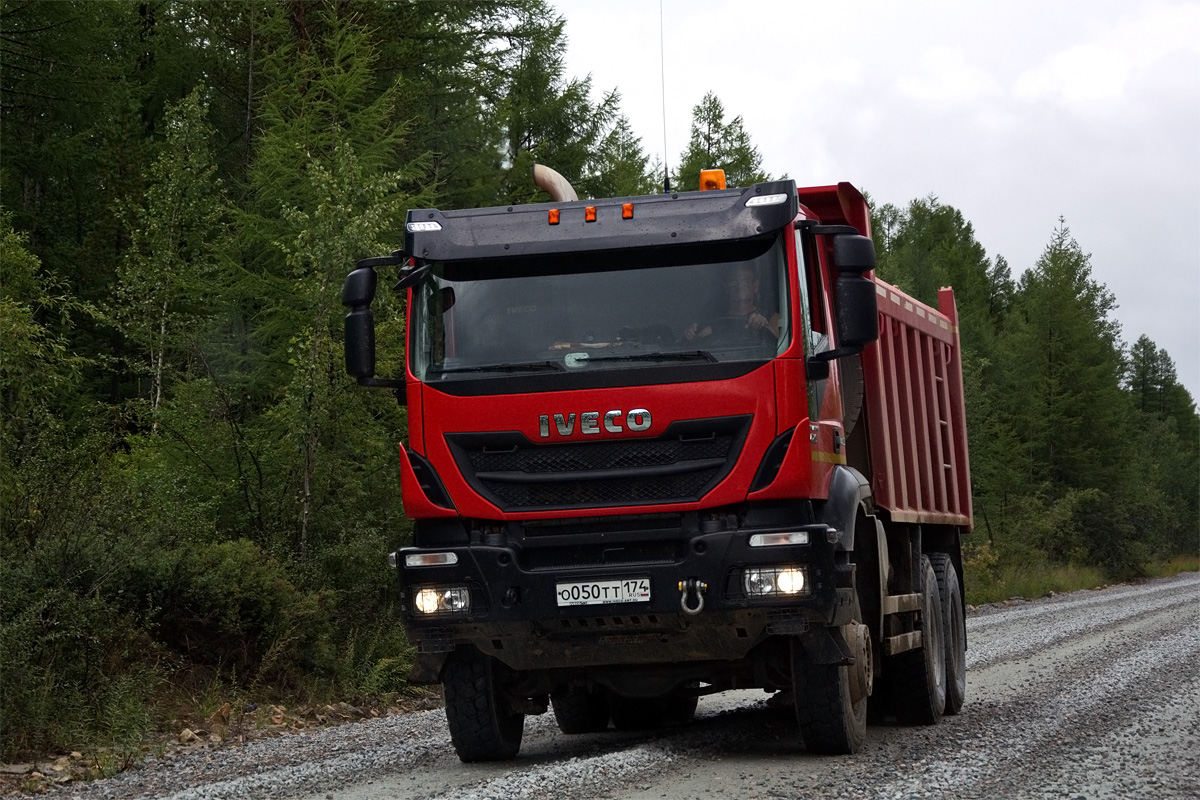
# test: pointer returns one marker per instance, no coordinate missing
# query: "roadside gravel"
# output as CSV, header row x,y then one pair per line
x,y
1088,695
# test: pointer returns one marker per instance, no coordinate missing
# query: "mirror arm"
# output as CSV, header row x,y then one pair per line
x,y
816,368
397,386
410,276
818,229
396,258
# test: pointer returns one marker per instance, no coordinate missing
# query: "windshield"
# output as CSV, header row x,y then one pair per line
x,y
714,302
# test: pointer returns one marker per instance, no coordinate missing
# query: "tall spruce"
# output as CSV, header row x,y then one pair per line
x,y
452,62
548,118
715,143
621,167
1064,403
326,185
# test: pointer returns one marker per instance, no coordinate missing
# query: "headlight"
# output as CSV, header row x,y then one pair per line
x,y
774,581
442,599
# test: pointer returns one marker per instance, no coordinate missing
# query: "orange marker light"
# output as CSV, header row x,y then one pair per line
x,y
712,179
554,216
589,214
627,211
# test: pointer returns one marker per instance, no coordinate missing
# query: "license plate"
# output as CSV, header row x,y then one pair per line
x,y
598,593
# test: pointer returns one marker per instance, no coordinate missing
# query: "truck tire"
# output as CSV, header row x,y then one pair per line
x,y
580,710
679,707
637,713
955,627
482,726
919,676
830,723
831,720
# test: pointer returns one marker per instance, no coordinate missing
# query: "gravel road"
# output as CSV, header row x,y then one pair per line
x,y
1094,694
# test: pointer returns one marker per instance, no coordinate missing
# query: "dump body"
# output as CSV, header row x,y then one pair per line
x,y
914,411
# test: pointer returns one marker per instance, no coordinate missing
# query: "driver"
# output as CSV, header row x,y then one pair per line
x,y
743,303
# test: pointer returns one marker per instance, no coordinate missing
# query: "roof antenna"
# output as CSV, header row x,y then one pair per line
x,y
662,59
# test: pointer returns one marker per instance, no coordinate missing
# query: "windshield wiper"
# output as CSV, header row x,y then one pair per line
x,y
524,366
688,355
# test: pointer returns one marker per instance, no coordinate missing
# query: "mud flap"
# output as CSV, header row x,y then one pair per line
x,y
827,646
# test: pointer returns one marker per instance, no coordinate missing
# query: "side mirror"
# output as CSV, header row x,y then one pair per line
x,y
357,294
857,316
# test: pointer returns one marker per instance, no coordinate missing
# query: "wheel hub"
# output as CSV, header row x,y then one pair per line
x,y
862,673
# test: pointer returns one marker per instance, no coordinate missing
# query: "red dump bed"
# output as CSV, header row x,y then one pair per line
x,y
916,420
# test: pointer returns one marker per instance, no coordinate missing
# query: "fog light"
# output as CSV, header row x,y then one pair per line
x,y
442,599
775,581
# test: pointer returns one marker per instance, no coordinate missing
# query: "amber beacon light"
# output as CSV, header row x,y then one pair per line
x,y
712,179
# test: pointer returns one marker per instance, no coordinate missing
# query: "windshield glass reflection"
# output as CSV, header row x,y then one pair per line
x,y
596,311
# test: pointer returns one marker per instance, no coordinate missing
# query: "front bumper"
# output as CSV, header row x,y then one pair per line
x,y
514,614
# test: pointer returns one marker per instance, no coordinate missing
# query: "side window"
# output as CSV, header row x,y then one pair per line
x,y
812,315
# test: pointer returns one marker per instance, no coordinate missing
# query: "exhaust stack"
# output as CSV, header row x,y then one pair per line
x,y
556,185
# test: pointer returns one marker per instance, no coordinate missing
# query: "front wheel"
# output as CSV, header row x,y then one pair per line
x,y
831,699
679,707
482,725
580,710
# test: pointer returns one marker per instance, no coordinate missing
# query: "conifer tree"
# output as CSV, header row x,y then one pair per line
x,y
327,192
620,167
1064,402
547,118
717,144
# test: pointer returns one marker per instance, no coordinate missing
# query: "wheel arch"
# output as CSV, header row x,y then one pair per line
x,y
848,492
851,510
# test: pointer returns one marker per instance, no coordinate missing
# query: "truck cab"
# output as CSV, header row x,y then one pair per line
x,y
644,440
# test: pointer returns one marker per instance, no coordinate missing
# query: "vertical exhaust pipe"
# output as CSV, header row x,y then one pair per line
x,y
558,187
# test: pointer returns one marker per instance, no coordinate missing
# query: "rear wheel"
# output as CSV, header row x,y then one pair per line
x,y
482,725
580,710
919,676
954,631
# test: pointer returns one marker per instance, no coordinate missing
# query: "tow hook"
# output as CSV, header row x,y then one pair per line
x,y
696,588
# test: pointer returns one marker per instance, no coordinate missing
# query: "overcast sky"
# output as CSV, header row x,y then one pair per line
x,y
1015,113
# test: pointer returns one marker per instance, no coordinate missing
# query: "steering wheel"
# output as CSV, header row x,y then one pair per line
x,y
737,330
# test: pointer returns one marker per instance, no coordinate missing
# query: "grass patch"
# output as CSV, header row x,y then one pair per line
x,y
1029,582
991,580
1174,566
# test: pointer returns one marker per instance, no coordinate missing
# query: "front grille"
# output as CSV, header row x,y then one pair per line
x,y
618,491
581,457
679,466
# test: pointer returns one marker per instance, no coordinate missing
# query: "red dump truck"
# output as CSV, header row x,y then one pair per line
x,y
671,445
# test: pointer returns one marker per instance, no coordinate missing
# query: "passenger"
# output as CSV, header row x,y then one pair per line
x,y
743,304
